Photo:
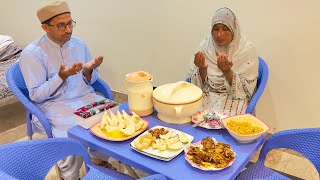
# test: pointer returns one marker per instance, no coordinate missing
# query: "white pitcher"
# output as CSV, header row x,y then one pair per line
x,y
139,89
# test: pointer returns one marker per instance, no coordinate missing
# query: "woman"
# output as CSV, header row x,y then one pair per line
x,y
226,66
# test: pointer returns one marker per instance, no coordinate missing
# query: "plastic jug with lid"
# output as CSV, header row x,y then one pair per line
x,y
139,89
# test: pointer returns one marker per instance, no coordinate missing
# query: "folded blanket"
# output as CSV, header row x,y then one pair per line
x,y
5,41
12,51
9,53
4,38
5,92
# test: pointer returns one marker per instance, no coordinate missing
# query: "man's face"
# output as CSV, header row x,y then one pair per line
x,y
56,35
221,34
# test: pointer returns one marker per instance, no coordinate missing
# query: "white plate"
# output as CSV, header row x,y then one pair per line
x,y
214,125
202,167
151,155
165,155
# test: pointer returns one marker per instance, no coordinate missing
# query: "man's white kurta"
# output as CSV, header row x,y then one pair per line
x,y
40,63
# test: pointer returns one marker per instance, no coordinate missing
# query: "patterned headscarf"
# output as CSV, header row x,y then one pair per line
x,y
224,16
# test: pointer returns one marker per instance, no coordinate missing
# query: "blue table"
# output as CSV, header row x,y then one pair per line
x,y
177,168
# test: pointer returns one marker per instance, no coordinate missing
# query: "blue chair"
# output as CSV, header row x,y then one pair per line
x,y
18,87
5,176
261,84
304,141
33,160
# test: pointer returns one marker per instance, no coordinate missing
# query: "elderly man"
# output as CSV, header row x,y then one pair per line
x,y
58,70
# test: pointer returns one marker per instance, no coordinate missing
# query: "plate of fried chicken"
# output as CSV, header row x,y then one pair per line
x,y
209,155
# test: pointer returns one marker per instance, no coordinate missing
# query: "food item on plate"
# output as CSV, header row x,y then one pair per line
x,y
161,145
120,120
172,140
209,154
103,122
130,128
244,127
160,139
158,131
183,138
173,143
209,119
167,141
125,115
120,123
137,120
166,136
144,141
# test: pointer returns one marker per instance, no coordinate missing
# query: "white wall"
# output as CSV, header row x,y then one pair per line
x,y
159,36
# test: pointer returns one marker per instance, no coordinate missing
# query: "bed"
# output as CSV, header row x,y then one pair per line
x,y
9,53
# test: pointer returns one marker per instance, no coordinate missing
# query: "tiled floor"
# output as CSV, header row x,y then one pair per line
x,y
13,128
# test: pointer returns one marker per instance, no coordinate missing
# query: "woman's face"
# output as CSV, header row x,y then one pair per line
x,y
221,34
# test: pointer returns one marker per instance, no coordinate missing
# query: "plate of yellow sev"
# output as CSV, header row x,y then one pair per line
x,y
245,128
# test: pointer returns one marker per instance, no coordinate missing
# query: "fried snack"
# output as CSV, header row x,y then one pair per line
x,y
158,131
210,154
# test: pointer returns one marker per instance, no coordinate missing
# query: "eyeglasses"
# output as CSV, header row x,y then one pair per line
x,y
62,26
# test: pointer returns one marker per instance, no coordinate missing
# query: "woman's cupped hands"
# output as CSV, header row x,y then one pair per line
x,y
224,63
200,60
